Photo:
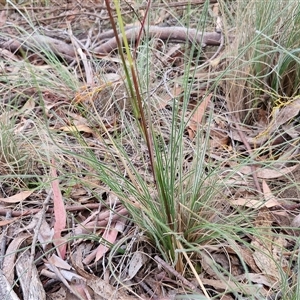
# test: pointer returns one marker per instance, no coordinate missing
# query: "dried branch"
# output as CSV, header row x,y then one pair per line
x,y
171,34
3,211
58,47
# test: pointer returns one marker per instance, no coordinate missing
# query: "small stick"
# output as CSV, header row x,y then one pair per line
x,y
3,211
175,273
147,289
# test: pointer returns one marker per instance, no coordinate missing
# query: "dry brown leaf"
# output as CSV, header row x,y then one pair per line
x,y
281,116
17,198
3,18
256,277
268,195
247,202
10,257
245,253
58,262
9,221
45,234
296,221
197,115
285,114
268,248
35,290
267,173
103,290
109,236
59,213
249,289
6,291
67,278
176,91
137,261
8,55
77,128
264,261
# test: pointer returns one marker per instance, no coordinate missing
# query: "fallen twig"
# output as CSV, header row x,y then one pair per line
x,y
175,273
68,52
58,47
175,33
3,211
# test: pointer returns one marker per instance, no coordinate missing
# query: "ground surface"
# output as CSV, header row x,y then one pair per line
x,y
60,109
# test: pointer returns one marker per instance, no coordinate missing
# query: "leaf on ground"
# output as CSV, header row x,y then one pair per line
x,y
176,92
45,234
137,261
197,116
296,221
17,198
219,139
257,278
268,253
3,17
59,262
229,286
268,195
103,290
29,105
110,236
265,173
59,214
67,277
245,253
288,112
270,200
81,288
9,221
247,202
10,257
77,128
23,271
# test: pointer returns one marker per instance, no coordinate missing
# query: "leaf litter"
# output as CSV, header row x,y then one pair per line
x,y
84,235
